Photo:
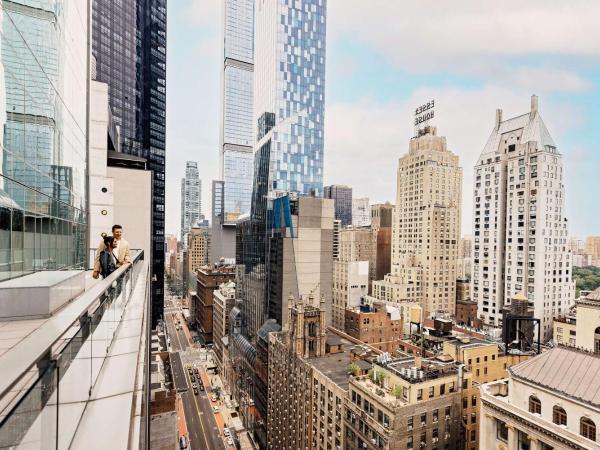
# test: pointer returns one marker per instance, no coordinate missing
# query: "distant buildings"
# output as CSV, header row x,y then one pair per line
x,y
191,200
548,402
361,212
592,248
426,227
223,303
342,196
520,230
198,248
350,286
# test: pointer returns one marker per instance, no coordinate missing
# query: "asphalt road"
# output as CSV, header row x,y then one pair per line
x,y
200,420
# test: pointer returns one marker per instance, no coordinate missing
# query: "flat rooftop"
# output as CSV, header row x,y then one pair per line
x,y
335,365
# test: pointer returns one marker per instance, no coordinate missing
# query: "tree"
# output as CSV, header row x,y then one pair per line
x,y
353,369
397,391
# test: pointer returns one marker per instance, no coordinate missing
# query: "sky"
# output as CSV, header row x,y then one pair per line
x,y
386,57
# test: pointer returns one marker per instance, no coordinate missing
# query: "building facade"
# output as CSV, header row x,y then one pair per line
x,y
43,157
191,200
409,404
289,92
381,223
342,196
379,325
581,329
350,286
223,303
308,380
198,248
547,402
426,226
520,228
129,43
209,280
592,247
361,212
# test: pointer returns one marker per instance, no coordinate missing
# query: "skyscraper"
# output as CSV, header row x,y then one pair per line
x,y
129,43
361,212
289,92
342,195
191,200
520,230
426,225
43,124
237,131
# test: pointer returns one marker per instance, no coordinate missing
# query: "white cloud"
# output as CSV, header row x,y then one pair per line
x,y
364,139
473,37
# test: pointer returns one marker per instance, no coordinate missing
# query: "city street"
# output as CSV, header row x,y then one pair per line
x,y
204,433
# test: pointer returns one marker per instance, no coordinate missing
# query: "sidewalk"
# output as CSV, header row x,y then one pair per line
x,y
206,380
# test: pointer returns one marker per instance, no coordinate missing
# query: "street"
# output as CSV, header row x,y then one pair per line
x,y
204,433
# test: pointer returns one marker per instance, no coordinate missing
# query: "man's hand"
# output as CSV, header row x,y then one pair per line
x,y
95,274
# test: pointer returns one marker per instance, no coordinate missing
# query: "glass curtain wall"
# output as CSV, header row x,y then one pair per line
x,y
43,82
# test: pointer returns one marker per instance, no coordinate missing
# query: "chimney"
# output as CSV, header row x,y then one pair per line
x,y
498,118
534,105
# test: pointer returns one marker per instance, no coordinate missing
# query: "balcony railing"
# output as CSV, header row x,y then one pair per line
x,y
86,361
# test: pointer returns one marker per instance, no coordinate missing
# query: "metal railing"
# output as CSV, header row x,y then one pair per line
x,y
47,379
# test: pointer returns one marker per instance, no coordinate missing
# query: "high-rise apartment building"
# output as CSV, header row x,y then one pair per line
x,y
342,196
43,135
361,212
289,92
426,226
130,48
520,229
209,280
198,239
191,200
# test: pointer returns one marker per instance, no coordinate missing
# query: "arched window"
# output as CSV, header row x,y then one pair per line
x,y
559,415
597,341
535,406
587,428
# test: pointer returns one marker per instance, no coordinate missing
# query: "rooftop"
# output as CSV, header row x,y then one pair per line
x,y
566,370
334,366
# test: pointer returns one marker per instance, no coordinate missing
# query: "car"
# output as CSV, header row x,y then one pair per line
x,y
214,398
201,387
195,391
230,441
183,442
196,371
226,432
194,386
215,409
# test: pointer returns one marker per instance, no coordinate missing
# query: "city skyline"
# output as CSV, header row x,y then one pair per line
x,y
368,89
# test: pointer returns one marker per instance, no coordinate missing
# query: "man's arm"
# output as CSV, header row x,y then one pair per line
x,y
126,256
97,259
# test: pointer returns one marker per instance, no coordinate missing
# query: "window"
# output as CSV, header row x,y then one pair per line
x,y
435,415
559,415
409,423
587,428
419,394
424,419
535,406
431,391
501,431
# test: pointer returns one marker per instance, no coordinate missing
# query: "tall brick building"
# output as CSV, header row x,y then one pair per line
x,y
209,280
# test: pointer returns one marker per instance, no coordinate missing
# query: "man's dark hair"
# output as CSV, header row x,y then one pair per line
x,y
108,240
116,227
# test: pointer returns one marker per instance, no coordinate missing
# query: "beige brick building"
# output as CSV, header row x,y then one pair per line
x,y
426,226
197,252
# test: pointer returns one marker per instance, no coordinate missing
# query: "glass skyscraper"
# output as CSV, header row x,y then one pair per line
x,y
289,91
129,42
237,131
43,85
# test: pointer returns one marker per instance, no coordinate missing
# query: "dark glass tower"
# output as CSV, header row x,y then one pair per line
x,y
129,42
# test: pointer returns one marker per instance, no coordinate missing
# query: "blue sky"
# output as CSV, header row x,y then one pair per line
x,y
386,57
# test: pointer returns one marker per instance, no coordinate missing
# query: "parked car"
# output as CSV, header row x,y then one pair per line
x,y
183,442
230,441
201,387
214,398
215,409
195,391
226,432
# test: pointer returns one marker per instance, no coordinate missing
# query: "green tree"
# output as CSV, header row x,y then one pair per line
x,y
353,369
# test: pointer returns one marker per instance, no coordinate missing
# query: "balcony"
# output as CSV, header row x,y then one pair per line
x,y
83,365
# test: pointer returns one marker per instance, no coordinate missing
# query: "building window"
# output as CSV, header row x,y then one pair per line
x,y
587,428
559,416
523,441
419,394
501,431
535,405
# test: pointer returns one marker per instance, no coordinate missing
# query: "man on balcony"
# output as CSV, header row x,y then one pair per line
x,y
120,251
